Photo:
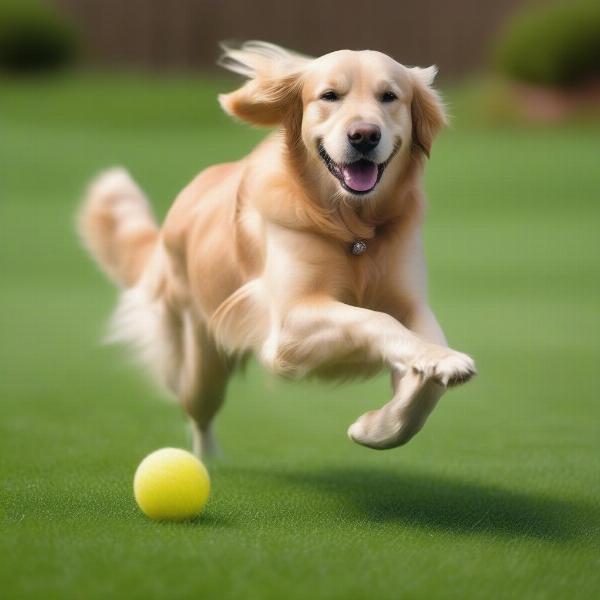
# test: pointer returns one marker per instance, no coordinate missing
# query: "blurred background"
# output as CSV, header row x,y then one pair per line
x,y
186,33
496,497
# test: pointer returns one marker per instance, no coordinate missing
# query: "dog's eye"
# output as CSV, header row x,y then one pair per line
x,y
330,96
388,97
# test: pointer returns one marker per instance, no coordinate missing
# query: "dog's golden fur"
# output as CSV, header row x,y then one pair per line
x,y
254,257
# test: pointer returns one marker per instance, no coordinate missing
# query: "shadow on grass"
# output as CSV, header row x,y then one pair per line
x,y
205,520
439,503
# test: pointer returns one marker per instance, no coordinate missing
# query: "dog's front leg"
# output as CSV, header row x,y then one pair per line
x,y
320,332
414,398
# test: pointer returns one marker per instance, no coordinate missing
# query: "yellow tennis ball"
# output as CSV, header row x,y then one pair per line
x,y
171,485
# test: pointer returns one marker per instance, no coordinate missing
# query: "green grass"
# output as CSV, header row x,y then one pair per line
x,y
497,498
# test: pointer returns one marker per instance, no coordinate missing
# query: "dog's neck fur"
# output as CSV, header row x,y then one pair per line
x,y
346,220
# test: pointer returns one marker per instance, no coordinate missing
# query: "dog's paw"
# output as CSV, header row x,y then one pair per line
x,y
447,367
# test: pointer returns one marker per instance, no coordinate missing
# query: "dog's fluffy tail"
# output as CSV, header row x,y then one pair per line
x,y
117,226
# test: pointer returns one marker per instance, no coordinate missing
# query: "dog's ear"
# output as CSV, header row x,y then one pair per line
x,y
428,113
274,86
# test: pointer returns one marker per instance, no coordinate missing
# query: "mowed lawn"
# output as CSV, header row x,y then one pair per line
x,y
498,497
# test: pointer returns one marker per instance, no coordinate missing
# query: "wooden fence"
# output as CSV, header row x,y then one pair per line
x,y
454,34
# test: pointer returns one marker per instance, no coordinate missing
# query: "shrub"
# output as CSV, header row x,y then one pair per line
x,y
33,37
552,45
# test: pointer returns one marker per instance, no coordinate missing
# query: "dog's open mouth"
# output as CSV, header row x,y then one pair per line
x,y
359,177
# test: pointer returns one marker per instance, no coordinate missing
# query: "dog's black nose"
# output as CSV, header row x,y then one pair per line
x,y
364,136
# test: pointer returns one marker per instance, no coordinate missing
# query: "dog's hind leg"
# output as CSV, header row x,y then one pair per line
x,y
203,386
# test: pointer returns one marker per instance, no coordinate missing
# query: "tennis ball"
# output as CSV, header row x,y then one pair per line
x,y
171,485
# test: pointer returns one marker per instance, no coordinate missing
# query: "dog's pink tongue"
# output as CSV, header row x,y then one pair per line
x,y
360,176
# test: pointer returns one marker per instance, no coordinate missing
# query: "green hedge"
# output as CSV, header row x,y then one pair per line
x,y
553,45
33,37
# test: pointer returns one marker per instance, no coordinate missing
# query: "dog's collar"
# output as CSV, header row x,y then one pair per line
x,y
358,247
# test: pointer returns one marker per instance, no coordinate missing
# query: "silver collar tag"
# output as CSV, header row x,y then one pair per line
x,y
358,247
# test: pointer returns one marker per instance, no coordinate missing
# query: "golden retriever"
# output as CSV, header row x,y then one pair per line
x,y
306,253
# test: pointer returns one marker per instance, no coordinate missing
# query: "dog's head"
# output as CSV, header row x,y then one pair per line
x,y
355,116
